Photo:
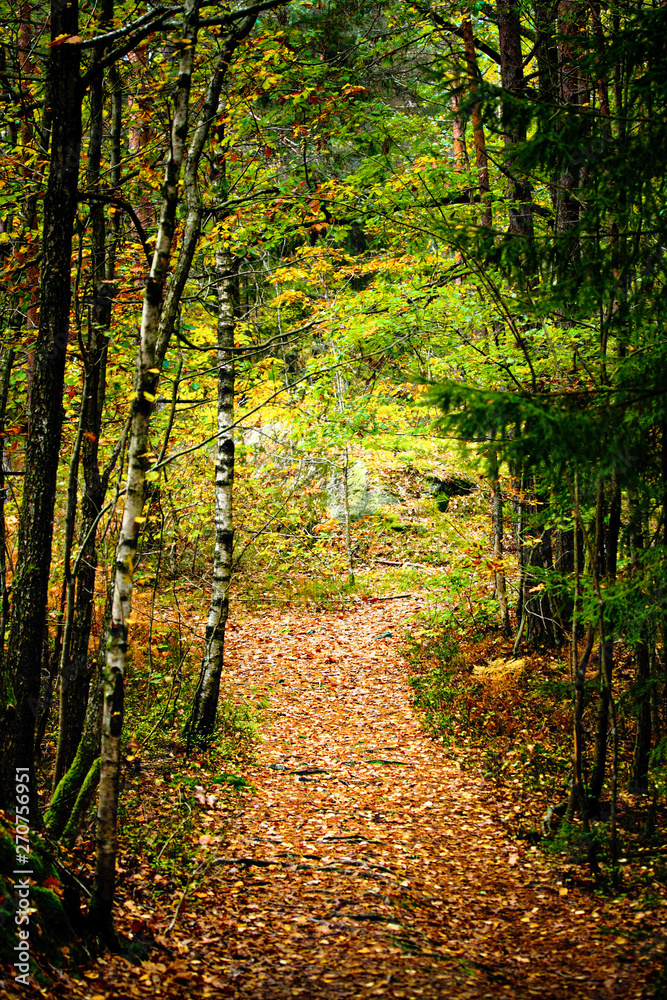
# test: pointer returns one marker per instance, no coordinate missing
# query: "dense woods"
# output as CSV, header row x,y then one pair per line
x,y
253,255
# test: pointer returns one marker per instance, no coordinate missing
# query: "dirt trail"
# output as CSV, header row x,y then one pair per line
x,y
366,864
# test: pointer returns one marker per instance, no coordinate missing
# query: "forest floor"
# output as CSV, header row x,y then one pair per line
x,y
363,861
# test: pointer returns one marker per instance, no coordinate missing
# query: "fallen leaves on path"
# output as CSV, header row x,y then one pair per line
x,y
366,863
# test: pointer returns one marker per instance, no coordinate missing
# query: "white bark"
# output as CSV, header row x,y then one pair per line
x,y
202,722
147,372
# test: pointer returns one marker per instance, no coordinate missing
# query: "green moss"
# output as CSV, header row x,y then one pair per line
x,y
83,800
7,925
65,795
49,927
40,862
51,916
390,519
6,852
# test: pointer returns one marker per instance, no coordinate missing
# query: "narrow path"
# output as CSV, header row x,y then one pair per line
x,y
366,864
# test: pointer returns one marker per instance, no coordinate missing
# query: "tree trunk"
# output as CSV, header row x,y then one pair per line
x,y
599,769
597,566
578,666
660,732
571,23
157,323
497,522
639,539
30,583
541,623
546,50
643,735
481,158
512,79
202,722
535,611
63,801
461,161
75,671
5,683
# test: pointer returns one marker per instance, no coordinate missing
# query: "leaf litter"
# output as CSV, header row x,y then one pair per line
x,y
360,860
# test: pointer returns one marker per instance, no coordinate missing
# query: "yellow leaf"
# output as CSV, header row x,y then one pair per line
x,y
139,520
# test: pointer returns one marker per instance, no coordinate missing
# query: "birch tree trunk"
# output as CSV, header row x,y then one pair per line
x,y
146,376
202,721
157,324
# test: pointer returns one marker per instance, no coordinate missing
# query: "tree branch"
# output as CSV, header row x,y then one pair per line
x,y
111,199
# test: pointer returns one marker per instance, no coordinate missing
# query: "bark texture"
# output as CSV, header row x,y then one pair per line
x,y
511,75
18,715
202,722
80,579
479,141
146,376
63,801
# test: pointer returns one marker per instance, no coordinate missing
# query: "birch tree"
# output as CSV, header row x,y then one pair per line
x,y
146,377
202,721
160,310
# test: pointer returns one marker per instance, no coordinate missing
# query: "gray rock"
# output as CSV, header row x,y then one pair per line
x,y
363,500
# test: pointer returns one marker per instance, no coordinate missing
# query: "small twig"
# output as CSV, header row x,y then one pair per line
x,y
394,597
177,911
169,839
410,565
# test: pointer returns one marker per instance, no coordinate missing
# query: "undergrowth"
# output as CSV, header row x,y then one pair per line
x,y
513,728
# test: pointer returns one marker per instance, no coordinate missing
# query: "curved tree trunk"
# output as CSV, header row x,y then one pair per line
x,y
157,324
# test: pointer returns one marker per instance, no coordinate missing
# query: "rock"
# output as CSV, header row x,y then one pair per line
x,y
449,486
363,500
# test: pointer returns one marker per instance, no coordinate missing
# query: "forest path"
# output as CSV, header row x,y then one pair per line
x,y
367,864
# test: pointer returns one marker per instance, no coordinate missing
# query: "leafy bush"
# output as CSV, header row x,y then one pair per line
x,y
517,727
